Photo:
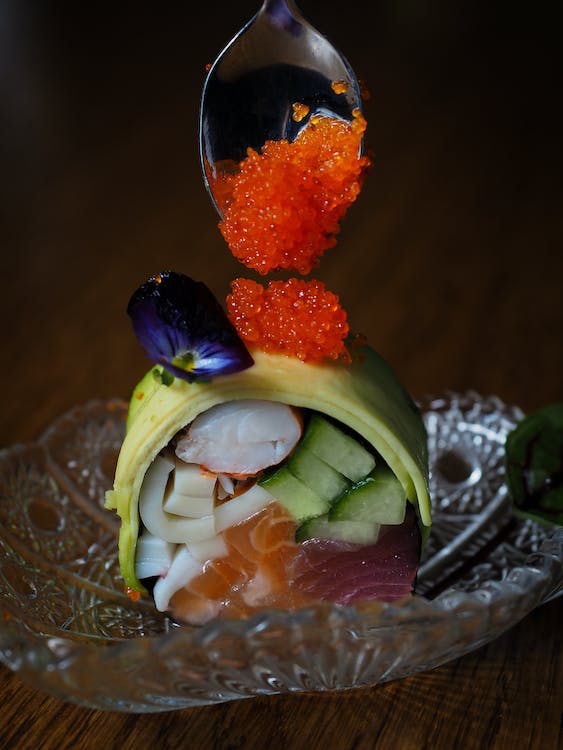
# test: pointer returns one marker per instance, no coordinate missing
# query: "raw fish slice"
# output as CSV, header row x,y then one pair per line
x,y
254,573
218,578
268,533
343,573
200,609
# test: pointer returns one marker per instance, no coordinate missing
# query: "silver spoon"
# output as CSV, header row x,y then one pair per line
x,y
277,60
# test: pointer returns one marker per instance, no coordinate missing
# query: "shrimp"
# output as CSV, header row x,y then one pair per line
x,y
241,438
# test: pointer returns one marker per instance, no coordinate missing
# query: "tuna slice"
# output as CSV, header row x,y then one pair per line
x,y
345,573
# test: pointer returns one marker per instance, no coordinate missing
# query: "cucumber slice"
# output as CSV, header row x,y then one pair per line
x,y
379,498
316,474
298,499
337,449
356,532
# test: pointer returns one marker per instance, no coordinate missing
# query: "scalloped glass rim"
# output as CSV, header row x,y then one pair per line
x,y
483,570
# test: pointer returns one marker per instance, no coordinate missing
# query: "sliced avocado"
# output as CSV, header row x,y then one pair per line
x,y
142,392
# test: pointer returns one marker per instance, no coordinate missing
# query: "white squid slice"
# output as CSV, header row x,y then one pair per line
x,y
241,507
184,505
167,526
190,491
192,480
209,549
153,556
241,437
184,567
226,484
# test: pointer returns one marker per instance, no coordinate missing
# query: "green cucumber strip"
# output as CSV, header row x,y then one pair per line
x,y
356,532
379,498
325,481
337,449
298,499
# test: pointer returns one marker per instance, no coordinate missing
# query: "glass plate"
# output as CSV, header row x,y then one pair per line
x,y
67,627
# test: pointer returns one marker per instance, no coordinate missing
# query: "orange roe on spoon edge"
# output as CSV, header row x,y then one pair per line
x,y
300,111
339,87
284,206
295,317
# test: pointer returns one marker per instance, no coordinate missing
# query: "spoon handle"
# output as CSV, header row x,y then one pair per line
x,y
278,6
283,13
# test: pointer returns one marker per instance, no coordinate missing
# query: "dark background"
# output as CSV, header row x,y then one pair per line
x,y
450,261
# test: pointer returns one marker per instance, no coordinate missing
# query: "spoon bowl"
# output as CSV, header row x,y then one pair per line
x,y
277,60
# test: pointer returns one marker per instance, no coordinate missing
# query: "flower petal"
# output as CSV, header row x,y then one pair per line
x,y
181,326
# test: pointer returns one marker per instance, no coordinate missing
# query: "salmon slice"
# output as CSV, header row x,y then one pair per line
x,y
253,575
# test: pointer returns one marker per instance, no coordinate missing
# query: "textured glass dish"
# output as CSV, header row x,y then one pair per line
x,y
67,627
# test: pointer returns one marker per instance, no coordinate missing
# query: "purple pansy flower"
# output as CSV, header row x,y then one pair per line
x,y
182,327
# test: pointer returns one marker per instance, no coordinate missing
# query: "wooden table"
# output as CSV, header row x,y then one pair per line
x,y
451,263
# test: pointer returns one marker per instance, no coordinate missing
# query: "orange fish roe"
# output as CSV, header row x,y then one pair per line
x,y
300,111
131,594
295,317
339,87
286,203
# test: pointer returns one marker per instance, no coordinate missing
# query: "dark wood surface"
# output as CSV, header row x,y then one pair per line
x,y
451,263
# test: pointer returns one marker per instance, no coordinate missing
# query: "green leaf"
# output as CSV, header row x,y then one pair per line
x,y
534,465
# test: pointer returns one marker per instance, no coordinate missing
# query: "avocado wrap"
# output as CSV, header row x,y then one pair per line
x,y
364,398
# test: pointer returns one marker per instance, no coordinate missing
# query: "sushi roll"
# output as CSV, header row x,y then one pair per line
x,y
249,479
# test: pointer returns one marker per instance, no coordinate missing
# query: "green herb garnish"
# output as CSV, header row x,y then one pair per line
x,y
534,465
163,376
